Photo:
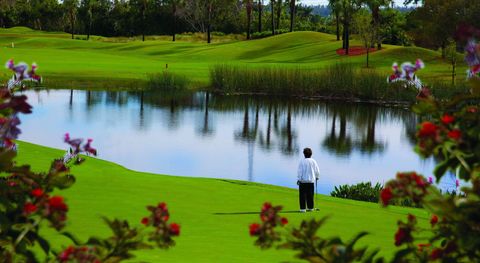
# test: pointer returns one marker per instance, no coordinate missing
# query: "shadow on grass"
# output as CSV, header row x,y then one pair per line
x,y
257,213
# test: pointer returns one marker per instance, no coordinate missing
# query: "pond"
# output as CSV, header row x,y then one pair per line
x,y
258,139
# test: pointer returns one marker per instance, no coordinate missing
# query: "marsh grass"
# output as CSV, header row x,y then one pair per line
x,y
339,81
167,81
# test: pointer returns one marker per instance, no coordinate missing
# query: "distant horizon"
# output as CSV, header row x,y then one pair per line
x,y
325,2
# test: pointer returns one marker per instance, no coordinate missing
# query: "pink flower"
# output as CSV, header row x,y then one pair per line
x,y
430,180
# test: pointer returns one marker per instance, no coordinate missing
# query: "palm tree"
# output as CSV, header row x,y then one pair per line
x,y
249,8
374,6
272,9
334,6
279,12
293,10
71,7
260,11
175,6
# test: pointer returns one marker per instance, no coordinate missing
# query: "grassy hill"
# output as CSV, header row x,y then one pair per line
x,y
118,62
214,214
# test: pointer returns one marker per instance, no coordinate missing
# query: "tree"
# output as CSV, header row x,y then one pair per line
x,y
451,52
374,6
366,29
71,8
175,7
293,10
249,9
435,22
279,12
272,12
334,6
348,9
260,11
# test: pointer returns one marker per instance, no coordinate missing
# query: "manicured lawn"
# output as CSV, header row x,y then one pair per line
x,y
117,63
214,214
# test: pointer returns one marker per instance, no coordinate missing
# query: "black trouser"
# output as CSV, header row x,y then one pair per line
x,y
306,191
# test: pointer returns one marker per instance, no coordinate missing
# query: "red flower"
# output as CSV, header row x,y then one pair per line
x,y
162,206
174,229
38,192
266,206
386,195
165,218
57,203
254,229
411,217
402,236
428,129
284,221
436,254
434,220
454,134
422,247
29,208
145,221
447,119
64,256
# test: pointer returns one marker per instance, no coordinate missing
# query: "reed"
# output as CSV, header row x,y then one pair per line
x,y
167,81
340,81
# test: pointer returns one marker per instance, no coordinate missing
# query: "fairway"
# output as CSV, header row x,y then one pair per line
x,y
118,63
214,214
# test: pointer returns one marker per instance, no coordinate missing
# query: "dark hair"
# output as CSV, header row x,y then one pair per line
x,y
307,152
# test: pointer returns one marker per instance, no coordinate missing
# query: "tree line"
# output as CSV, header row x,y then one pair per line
x,y
431,24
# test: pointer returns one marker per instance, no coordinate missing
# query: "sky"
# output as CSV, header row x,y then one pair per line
x,y
325,2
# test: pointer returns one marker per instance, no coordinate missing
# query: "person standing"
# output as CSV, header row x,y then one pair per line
x,y
308,173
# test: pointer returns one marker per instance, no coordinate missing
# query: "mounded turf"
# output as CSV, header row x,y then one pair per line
x,y
214,214
117,63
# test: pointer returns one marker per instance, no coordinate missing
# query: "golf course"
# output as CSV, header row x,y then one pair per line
x,y
214,214
123,63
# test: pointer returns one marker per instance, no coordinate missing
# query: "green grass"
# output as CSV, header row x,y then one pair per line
x,y
122,62
213,213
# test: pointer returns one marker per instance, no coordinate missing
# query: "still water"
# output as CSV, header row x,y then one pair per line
x,y
235,137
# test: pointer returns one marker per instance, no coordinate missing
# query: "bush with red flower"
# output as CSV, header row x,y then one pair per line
x,y
27,202
265,231
450,133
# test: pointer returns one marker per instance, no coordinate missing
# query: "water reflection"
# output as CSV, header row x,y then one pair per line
x,y
239,137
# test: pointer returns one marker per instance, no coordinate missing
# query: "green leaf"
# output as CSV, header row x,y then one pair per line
x,y
63,182
424,107
443,167
72,238
44,244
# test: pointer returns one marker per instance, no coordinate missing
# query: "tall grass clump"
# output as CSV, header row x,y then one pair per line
x,y
342,81
167,81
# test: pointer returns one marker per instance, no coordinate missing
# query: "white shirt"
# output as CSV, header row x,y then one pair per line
x,y
308,170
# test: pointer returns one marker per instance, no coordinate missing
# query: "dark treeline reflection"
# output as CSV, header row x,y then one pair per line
x,y
267,123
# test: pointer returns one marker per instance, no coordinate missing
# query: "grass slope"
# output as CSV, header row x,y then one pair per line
x,y
114,61
214,214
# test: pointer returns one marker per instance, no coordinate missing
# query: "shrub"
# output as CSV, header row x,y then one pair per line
x,y
360,192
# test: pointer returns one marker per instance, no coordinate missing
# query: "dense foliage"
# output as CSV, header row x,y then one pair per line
x,y
361,192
